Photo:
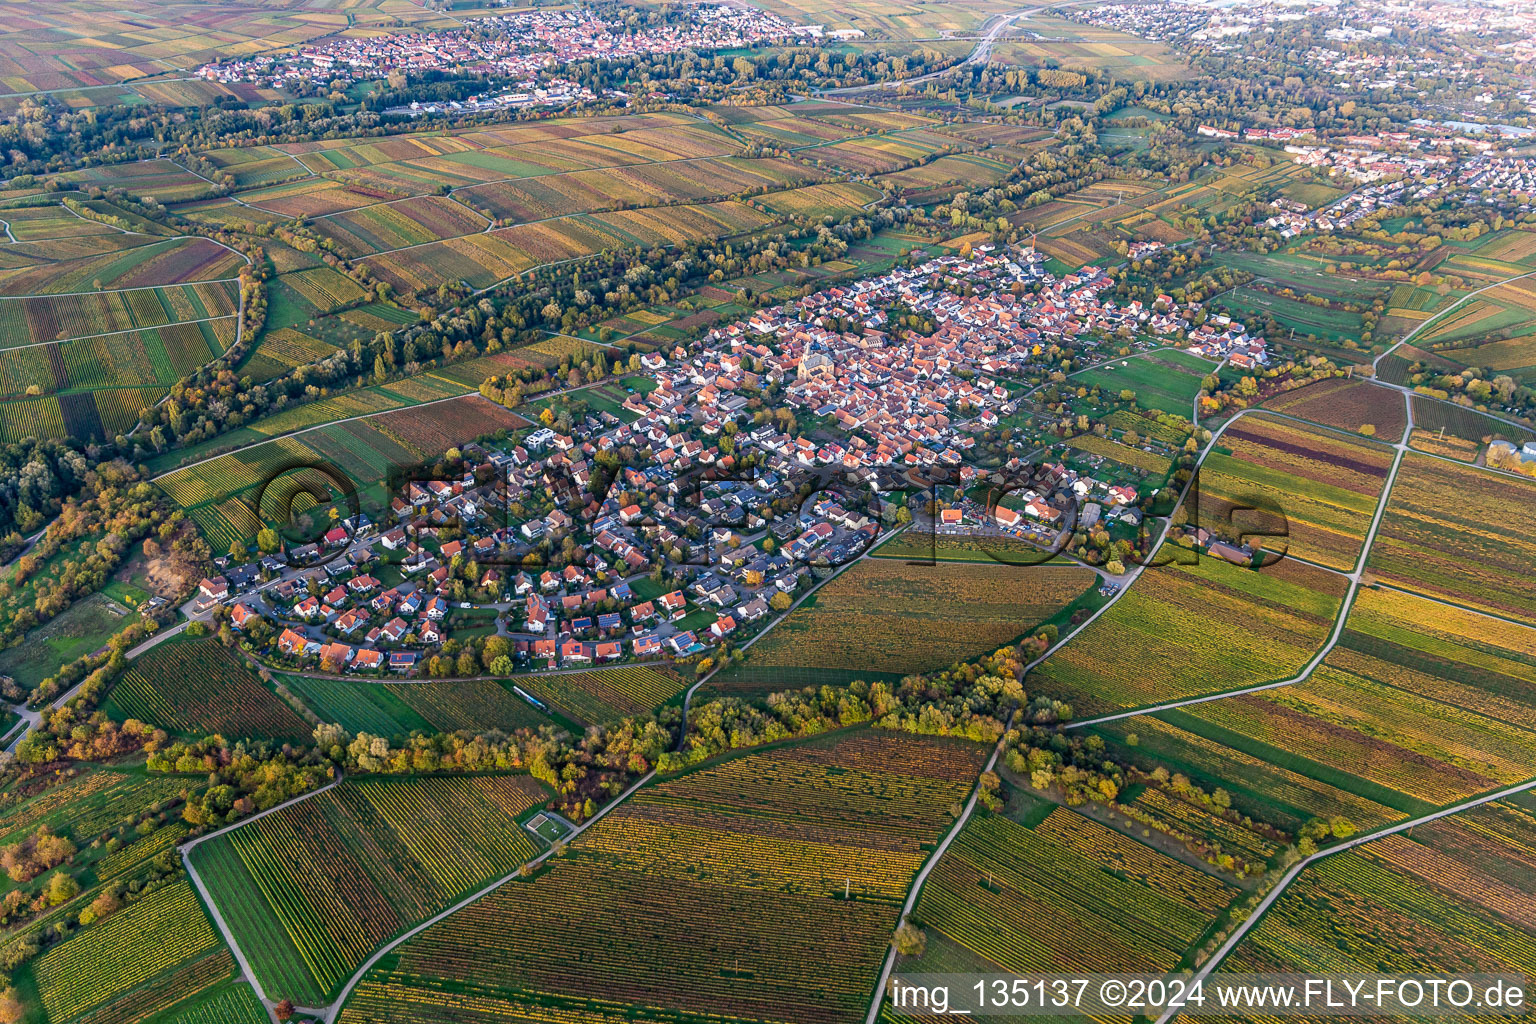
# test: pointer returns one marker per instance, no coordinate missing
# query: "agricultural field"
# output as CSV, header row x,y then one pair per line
x,y
1167,381
132,857
1442,428
145,264
1445,445
218,213
1514,356
1491,328
306,294
795,132
1461,534
1445,693
480,261
311,891
1250,843
230,474
154,953
881,154
398,225
1301,273
219,493
100,46
862,118
39,223
1074,246
1151,464
197,687
612,188
84,803
1394,368
1318,488
366,401
143,358
1311,323
1061,895
1454,895
254,166
649,913
1189,629
24,321
1150,426
1284,792
976,170
876,619
233,1004
474,704
924,546
281,350
817,201
356,705
1232,704
1419,705
164,180
1059,41
84,416
1365,738
1496,313
606,696
561,348
1346,404
906,19
84,627
995,134
511,152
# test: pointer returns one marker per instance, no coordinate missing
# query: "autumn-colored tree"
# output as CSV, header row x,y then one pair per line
x,y
910,939
62,888
11,1008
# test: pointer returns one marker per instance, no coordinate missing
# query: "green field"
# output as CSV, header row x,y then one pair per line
x,y
197,687
356,706
1328,325
153,953
1445,896
234,1004
1302,274
84,627
312,890
1167,381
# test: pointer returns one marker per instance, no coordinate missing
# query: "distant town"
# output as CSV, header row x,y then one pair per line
x,y
519,46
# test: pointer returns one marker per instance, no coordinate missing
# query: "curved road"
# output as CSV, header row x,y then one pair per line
x,y
928,865
330,1012
980,54
1291,875
1405,339
34,718
213,908
1339,623
1354,578
1401,448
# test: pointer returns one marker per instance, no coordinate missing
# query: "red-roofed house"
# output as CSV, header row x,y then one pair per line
x,y
241,614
